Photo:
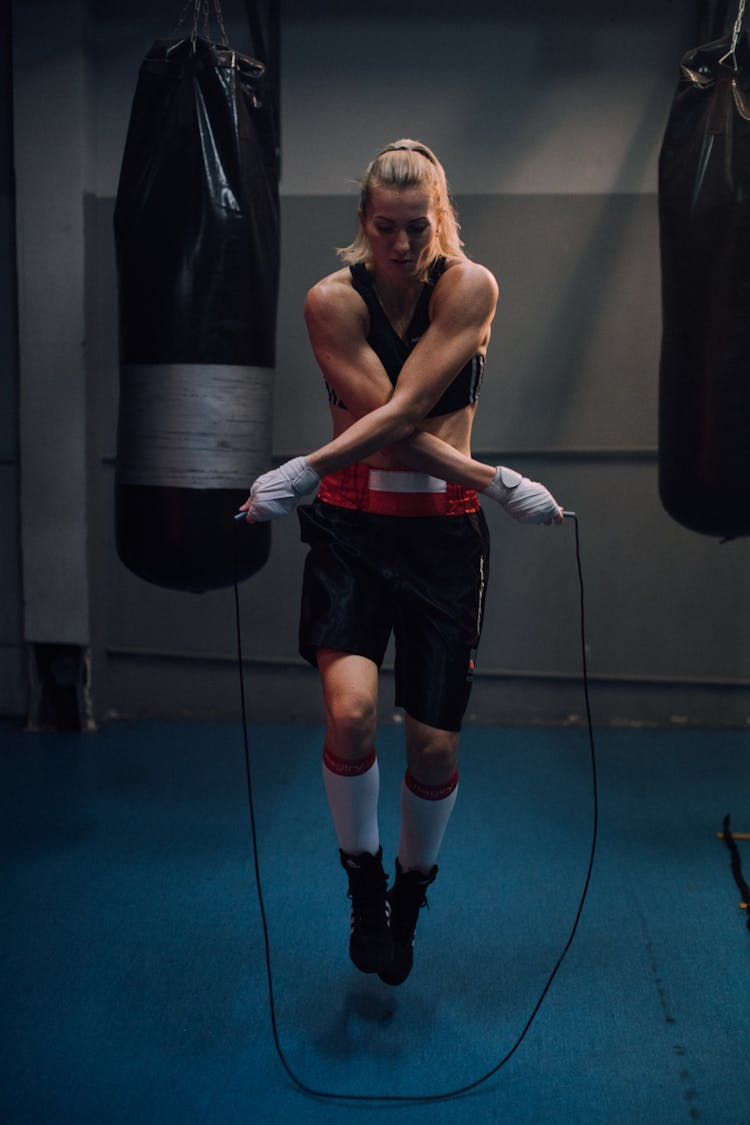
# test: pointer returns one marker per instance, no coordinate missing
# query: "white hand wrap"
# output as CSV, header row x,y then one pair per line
x,y
278,492
525,500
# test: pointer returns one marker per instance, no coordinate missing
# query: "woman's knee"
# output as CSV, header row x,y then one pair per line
x,y
352,717
350,695
431,754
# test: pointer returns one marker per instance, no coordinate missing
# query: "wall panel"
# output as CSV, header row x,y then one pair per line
x,y
549,121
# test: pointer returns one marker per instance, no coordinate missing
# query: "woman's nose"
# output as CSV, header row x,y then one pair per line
x,y
402,240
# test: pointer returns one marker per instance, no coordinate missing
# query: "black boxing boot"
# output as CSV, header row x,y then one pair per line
x,y
370,942
407,896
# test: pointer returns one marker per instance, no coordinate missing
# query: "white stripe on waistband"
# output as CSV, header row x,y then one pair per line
x,y
394,480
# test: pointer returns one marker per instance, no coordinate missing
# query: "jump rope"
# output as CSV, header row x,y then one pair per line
x,y
415,1099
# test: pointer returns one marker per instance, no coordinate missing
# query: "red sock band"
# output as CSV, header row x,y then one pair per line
x,y
431,792
346,768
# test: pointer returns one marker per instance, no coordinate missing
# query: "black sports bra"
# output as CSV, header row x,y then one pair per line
x,y
393,351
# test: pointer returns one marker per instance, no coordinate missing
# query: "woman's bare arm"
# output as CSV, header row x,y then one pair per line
x,y
461,313
337,329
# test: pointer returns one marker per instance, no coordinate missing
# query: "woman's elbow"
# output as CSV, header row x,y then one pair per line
x,y
410,413
405,424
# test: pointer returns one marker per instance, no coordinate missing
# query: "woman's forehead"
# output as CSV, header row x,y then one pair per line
x,y
400,202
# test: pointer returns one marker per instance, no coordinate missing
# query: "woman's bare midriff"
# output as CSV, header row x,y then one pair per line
x,y
454,428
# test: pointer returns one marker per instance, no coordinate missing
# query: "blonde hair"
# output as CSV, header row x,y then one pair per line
x,y
405,164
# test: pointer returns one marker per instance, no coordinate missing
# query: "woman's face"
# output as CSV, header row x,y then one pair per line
x,y
400,223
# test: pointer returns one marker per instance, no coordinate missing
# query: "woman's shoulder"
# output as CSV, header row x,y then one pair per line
x,y
333,299
331,290
464,271
464,279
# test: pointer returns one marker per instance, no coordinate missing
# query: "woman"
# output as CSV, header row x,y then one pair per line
x,y
398,541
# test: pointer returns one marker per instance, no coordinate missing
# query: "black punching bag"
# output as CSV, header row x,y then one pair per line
x,y
704,218
197,240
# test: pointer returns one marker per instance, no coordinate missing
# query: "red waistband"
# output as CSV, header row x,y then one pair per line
x,y
363,489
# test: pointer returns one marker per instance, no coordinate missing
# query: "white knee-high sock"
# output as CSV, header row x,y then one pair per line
x,y
425,812
352,789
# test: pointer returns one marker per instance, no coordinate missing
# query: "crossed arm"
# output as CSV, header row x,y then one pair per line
x,y
463,307
386,417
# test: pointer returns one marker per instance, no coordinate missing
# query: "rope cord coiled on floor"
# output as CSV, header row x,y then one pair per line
x,y
470,1086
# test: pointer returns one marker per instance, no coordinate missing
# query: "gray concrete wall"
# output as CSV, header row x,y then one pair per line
x,y
549,124
12,657
52,101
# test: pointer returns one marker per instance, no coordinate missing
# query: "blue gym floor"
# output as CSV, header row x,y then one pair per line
x,y
133,974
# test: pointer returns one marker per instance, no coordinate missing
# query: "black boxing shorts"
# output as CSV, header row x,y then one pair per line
x,y
421,577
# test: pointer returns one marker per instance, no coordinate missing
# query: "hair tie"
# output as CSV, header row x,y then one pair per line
x,y
409,148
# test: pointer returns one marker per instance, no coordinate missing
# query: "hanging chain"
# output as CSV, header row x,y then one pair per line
x,y
225,41
735,36
203,8
183,13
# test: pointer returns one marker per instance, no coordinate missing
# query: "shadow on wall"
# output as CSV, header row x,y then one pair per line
x,y
582,279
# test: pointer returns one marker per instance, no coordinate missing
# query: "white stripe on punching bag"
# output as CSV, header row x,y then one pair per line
x,y
184,425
